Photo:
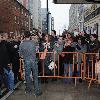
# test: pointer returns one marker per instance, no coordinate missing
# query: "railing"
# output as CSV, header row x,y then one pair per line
x,y
84,63
92,67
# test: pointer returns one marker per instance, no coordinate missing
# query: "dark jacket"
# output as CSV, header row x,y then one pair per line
x,y
94,46
4,57
13,51
68,58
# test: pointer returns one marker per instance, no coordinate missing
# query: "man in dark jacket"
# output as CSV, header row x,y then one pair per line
x,y
94,44
93,47
4,58
14,57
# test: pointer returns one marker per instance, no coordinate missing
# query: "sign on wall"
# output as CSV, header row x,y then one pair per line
x,y
74,1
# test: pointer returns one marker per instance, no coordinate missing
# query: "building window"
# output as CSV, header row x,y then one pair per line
x,y
22,22
95,29
18,8
15,18
89,30
18,21
22,11
15,8
25,14
27,23
31,17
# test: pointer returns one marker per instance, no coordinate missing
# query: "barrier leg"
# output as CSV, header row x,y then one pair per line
x,y
75,81
90,83
21,69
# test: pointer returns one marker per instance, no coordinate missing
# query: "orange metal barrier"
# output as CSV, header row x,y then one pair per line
x,y
55,72
21,68
88,68
92,68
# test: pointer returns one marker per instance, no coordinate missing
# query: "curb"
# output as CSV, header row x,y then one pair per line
x,y
10,92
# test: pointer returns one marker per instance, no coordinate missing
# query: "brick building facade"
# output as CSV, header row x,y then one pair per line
x,y
14,17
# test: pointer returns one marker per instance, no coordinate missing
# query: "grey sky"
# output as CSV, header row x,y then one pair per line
x,y
60,12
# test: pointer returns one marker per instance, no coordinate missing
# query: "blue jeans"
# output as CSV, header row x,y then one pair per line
x,y
66,71
31,64
9,82
79,70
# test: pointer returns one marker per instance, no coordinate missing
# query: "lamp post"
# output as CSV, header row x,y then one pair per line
x,y
47,16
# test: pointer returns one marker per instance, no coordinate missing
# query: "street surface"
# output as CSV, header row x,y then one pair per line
x,y
58,90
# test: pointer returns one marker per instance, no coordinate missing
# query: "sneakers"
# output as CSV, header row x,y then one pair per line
x,y
39,94
28,93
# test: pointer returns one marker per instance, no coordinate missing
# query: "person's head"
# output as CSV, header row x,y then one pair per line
x,y
46,37
5,36
68,35
68,42
14,37
60,39
17,38
93,37
21,37
57,44
27,34
34,38
79,41
53,33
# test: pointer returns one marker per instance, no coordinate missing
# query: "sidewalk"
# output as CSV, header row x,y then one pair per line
x,y
59,91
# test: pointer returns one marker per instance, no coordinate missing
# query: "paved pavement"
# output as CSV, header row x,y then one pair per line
x,y
59,91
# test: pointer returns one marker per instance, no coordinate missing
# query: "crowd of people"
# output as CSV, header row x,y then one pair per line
x,y
9,60
28,46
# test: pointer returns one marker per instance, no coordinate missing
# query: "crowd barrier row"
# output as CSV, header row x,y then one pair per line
x,y
86,65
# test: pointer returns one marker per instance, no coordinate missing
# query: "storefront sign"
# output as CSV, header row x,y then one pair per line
x,y
92,15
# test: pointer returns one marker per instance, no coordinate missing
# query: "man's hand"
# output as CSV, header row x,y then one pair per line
x,y
55,52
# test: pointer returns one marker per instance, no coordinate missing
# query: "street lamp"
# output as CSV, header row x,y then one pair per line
x,y
47,16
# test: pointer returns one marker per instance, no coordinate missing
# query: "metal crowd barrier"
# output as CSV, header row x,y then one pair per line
x,y
88,66
92,67
21,67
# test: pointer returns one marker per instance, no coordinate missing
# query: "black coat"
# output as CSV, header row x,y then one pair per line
x,y
68,58
13,52
94,46
4,57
